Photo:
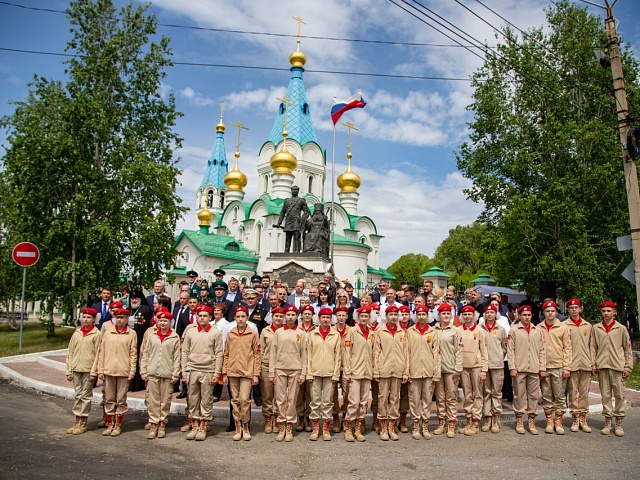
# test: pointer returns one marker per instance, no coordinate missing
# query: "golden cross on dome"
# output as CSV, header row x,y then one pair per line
x,y
222,107
287,101
300,22
350,126
240,128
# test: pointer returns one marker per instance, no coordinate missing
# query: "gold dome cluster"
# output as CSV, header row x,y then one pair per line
x,y
348,181
283,161
235,179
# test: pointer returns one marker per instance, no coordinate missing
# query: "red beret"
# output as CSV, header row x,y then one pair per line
x,y
549,304
607,304
425,309
166,315
121,311
277,310
340,309
290,308
404,309
89,311
307,307
116,304
240,308
468,308
160,308
391,309
375,306
573,301
493,308
445,307
364,309
524,308
204,308
325,311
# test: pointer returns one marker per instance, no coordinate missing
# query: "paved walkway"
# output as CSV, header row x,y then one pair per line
x,y
46,372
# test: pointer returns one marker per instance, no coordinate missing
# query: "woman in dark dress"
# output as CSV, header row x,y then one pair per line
x,y
141,316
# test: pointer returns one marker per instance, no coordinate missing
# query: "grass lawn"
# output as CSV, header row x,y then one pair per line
x,y
34,339
634,379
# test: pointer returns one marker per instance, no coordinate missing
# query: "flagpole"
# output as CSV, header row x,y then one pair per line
x,y
333,186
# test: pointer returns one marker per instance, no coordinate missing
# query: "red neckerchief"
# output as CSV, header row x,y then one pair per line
x,y
206,329
403,327
422,330
341,332
161,336
528,328
323,333
286,327
124,330
274,328
392,330
374,328
578,323
607,328
486,325
305,328
549,327
240,333
85,332
365,331
472,327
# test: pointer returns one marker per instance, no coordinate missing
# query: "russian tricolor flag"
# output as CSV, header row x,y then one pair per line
x,y
341,106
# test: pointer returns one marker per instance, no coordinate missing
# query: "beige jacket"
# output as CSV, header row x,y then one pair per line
x,y
496,341
82,353
422,354
580,337
474,348
612,350
266,337
358,355
118,353
202,350
287,350
525,351
324,356
241,354
388,353
161,358
557,345
450,348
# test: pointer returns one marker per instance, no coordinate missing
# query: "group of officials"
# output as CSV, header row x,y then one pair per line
x,y
294,352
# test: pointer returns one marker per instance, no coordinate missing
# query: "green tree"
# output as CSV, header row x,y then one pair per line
x,y
464,250
409,267
89,167
544,157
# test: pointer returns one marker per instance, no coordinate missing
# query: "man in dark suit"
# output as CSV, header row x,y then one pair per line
x,y
158,291
102,307
233,294
380,294
353,300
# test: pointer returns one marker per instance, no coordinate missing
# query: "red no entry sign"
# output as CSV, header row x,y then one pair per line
x,y
25,254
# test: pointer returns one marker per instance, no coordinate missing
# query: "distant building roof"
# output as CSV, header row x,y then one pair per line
x,y
217,166
221,246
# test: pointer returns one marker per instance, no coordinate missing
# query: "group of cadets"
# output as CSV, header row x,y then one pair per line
x,y
399,360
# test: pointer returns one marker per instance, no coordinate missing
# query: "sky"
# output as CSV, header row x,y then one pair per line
x,y
409,132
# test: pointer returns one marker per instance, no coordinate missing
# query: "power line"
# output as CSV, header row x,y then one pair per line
x,y
256,67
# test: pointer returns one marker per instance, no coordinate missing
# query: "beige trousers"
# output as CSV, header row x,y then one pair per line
x,y
321,398
578,386
358,398
472,390
344,385
285,392
492,390
611,383
303,400
84,393
266,388
447,397
389,398
554,389
115,395
420,397
159,391
241,398
526,392
200,394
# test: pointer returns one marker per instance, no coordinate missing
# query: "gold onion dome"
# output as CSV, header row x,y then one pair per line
x,y
235,179
297,59
348,181
220,126
205,216
283,161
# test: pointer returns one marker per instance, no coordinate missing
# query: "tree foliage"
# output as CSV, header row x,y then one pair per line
x,y
409,267
544,157
88,167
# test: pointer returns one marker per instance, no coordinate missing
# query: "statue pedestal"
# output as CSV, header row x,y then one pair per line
x,y
291,267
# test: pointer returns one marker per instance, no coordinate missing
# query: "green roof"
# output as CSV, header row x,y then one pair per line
x,y
435,272
238,266
380,271
180,270
220,246
342,240
483,278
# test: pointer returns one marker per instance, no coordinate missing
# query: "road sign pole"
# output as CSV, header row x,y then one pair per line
x,y
24,283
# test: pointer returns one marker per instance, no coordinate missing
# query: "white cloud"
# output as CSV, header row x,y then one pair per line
x,y
195,98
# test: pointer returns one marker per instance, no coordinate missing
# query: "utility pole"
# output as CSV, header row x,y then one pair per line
x,y
630,169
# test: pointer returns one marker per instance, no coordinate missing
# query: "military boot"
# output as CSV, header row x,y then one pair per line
x,y
619,431
187,426
82,426
583,423
109,424
486,426
519,425
315,427
348,431
384,433
288,437
268,426
403,423
162,430
549,416
336,424
415,434
246,434
360,430
201,433
607,426
559,427
194,429
451,429
441,428
281,432
575,422
376,423
75,425
463,430
532,424
495,423
300,424
117,427
238,435
393,435
326,431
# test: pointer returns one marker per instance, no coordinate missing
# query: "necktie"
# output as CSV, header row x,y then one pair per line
x,y
193,318
104,309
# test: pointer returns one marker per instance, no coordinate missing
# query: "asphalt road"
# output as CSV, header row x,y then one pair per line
x,y
33,444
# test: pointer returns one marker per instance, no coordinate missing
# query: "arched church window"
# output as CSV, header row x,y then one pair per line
x,y
363,241
311,184
235,214
305,109
266,184
222,199
258,237
215,162
210,199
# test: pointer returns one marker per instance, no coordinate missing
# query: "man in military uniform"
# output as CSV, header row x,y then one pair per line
x,y
295,213
194,288
219,274
219,293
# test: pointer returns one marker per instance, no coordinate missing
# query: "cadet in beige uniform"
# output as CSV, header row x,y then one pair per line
x,y
496,340
558,354
285,367
322,370
241,369
581,366
611,349
474,369
388,371
82,368
404,322
116,367
375,326
341,315
422,367
527,363
303,401
358,371
201,366
160,369
266,337
451,368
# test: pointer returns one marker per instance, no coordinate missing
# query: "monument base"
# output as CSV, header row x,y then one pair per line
x,y
291,267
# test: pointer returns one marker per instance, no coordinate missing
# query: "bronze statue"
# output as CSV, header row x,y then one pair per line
x,y
317,230
295,213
